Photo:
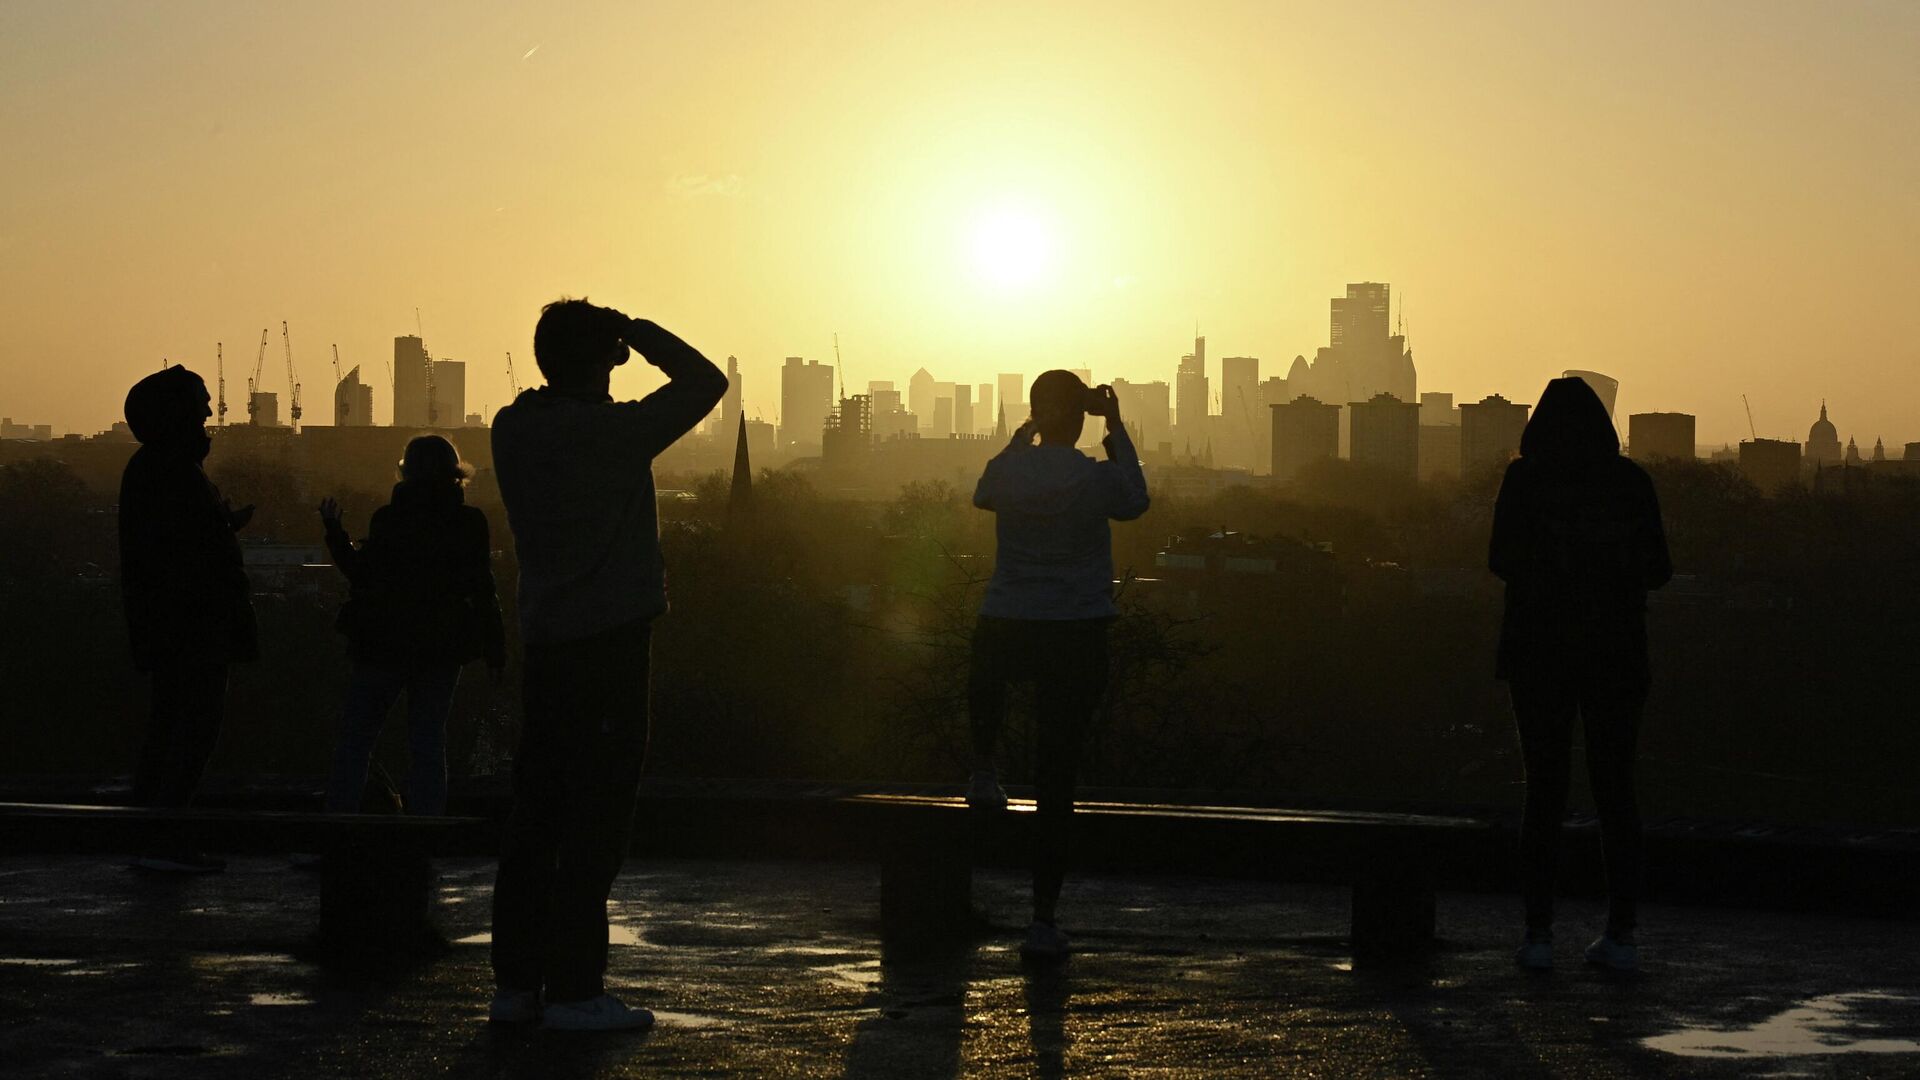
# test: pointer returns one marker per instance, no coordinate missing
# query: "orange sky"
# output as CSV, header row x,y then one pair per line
x,y
1702,199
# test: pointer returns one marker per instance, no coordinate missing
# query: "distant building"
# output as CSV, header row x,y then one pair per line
x,y
1386,434
1436,409
1605,386
1823,441
848,433
1147,409
942,426
963,409
411,371
353,401
25,432
760,439
1241,414
1770,464
1655,435
1190,392
1013,399
730,401
1304,430
806,399
983,414
1910,452
447,398
263,409
920,396
1363,357
1490,432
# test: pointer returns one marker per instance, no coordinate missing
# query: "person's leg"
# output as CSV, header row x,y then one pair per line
x,y
189,702
987,689
429,696
1543,711
529,849
596,828
1613,732
1067,692
371,692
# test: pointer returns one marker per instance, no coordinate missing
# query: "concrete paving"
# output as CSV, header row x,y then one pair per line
x,y
772,969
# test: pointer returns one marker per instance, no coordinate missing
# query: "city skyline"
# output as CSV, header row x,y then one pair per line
x,y
1070,187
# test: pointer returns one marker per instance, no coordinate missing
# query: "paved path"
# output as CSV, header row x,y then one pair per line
x,y
770,969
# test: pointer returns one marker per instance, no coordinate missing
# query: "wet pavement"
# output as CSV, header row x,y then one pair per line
x,y
773,969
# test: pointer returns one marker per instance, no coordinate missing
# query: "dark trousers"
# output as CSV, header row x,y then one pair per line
x,y
189,703
575,779
1066,660
1545,709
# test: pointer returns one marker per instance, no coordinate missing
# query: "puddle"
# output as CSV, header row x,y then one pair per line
x,y
484,937
813,950
686,1020
35,961
279,999
861,975
1822,1025
617,934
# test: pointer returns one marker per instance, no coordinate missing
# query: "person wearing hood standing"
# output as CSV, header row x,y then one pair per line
x,y
423,604
184,590
1048,607
1577,538
576,474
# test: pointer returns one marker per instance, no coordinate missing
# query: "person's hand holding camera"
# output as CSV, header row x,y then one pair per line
x,y
1104,403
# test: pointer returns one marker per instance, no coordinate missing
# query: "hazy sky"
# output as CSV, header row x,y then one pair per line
x,y
1702,199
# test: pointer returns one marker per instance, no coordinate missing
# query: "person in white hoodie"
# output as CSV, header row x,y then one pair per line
x,y
1048,607
576,474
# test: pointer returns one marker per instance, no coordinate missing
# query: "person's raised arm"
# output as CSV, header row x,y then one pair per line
x,y
986,493
1124,485
694,386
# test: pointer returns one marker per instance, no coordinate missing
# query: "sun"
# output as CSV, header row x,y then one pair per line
x,y
1012,247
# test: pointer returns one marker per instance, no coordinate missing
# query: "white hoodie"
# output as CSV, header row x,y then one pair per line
x,y
1055,558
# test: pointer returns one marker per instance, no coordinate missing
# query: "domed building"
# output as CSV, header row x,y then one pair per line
x,y
1823,441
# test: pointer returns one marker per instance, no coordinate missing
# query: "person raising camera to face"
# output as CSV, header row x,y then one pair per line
x,y
1048,606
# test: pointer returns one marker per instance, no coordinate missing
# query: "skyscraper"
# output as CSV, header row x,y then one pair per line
x,y
920,395
730,401
983,415
806,399
1240,412
353,401
1363,358
1490,433
448,395
1386,434
1606,387
1146,408
1190,395
963,409
411,370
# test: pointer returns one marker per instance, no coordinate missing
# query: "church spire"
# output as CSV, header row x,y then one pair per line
x,y
740,498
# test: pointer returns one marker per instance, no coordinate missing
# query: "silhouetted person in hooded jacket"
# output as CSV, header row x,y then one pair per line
x,y
423,604
1578,540
188,607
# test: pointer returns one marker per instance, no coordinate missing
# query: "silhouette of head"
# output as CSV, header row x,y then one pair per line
x,y
1059,406
169,408
575,340
433,461
1570,426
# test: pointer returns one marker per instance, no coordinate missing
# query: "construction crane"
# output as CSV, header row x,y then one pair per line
x,y
513,384
1750,431
259,362
220,367
294,411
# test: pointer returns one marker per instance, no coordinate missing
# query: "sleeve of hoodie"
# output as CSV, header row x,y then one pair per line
x,y
694,387
478,556
992,488
1123,487
1656,564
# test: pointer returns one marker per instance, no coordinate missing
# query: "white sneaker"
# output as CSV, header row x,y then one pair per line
x,y
1044,942
604,1013
1612,954
984,791
514,1007
1535,952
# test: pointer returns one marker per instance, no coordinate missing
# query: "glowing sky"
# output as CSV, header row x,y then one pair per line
x,y
1702,199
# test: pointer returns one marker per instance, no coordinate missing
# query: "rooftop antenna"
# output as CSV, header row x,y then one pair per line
x,y
1750,431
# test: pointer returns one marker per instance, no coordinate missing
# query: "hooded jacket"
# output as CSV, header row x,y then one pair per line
x,y
423,590
1578,539
182,582
1052,503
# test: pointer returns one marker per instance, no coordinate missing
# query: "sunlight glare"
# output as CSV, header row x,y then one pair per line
x,y
1012,247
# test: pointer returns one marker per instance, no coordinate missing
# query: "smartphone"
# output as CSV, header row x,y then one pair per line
x,y
1093,400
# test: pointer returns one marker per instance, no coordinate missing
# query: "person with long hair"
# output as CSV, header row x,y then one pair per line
x,y
423,605
1577,538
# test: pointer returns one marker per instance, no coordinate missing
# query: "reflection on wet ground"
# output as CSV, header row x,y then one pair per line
x,y
774,970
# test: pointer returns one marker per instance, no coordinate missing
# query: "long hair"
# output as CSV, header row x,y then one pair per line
x,y
1570,426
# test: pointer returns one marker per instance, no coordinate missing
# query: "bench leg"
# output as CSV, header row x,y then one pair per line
x,y
1393,915
926,897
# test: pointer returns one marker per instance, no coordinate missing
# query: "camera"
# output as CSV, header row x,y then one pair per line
x,y
1093,400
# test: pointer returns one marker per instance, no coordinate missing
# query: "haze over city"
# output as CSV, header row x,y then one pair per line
x,y
1650,192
